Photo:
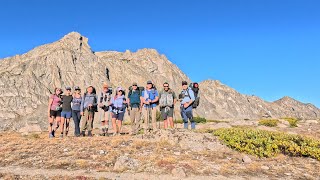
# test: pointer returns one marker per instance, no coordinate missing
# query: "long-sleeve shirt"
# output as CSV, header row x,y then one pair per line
x,y
88,99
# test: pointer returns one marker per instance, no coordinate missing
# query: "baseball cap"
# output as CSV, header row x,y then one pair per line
x,y
149,82
119,89
76,88
68,88
134,84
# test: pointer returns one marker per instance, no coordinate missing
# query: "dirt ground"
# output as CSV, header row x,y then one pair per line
x,y
164,154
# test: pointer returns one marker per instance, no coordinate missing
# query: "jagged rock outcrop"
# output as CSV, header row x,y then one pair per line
x,y
27,80
222,102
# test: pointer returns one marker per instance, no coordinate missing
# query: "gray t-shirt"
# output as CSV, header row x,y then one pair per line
x,y
66,105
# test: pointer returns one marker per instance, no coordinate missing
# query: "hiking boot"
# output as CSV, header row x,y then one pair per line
x,y
83,134
67,133
89,134
52,133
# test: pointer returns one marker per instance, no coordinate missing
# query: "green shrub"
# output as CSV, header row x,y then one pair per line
x,y
200,119
292,121
178,121
269,122
158,116
267,144
197,119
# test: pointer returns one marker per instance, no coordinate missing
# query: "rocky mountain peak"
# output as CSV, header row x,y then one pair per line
x,y
27,80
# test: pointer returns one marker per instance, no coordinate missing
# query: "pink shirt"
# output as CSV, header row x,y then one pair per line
x,y
56,102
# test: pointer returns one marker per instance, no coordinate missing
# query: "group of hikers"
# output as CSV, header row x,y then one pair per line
x,y
141,103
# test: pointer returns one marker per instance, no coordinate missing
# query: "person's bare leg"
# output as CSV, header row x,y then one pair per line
x,y
119,122
57,120
62,121
106,121
114,126
67,126
165,122
170,122
50,125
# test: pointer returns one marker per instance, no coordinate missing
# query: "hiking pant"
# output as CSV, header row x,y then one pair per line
x,y
76,119
186,114
104,116
86,122
146,114
135,116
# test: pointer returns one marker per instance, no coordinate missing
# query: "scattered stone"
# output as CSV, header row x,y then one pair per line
x,y
265,167
94,157
312,122
288,174
246,159
65,150
124,162
101,152
177,153
178,172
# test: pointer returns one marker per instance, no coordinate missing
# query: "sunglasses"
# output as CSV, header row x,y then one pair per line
x,y
134,85
165,86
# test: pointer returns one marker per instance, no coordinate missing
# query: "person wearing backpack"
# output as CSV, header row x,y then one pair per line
x,y
76,103
66,112
104,100
54,111
87,110
187,98
167,99
150,97
135,107
118,107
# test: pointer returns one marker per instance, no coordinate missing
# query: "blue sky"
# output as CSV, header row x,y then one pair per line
x,y
269,48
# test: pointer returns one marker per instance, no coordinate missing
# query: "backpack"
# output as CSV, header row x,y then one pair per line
x,y
195,90
166,99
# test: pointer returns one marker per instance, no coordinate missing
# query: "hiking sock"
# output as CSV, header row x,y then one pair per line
x,y
83,133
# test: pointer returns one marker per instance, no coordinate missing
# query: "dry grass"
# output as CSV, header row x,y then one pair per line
x,y
156,156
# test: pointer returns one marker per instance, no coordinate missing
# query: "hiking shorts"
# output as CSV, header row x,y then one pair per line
x,y
118,116
55,113
166,113
66,114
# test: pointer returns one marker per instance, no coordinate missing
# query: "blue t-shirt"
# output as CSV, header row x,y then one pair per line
x,y
150,94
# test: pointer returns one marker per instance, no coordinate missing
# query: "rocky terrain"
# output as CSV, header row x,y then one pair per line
x,y
27,80
165,154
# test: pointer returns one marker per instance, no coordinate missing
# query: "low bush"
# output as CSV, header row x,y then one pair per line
x,y
269,122
200,119
292,121
267,144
